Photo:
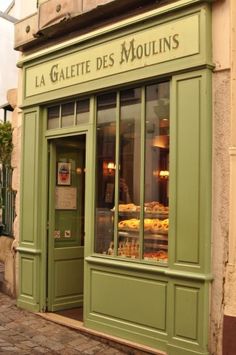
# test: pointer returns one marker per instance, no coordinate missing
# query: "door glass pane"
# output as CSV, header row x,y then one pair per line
x,y
69,191
105,173
67,114
53,117
129,177
82,111
156,223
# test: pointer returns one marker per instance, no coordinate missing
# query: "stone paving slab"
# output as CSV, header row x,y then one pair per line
x,y
23,332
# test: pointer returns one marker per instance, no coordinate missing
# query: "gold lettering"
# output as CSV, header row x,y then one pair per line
x,y
176,41
54,73
39,81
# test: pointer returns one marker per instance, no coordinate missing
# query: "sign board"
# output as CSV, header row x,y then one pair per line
x,y
157,44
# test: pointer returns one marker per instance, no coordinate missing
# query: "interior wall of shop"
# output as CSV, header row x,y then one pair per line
x,y
171,291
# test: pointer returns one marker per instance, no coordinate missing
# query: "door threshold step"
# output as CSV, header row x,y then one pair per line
x,y
114,341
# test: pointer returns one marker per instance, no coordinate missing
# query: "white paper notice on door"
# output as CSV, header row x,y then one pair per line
x,y
66,198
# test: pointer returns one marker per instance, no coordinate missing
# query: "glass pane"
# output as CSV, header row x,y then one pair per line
x,y
82,111
105,173
67,114
129,181
69,191
156,223
53,117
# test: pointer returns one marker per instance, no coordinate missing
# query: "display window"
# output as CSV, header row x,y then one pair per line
x,y
68,114
132,173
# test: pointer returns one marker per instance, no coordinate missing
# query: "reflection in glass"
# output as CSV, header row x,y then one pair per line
x,y
67,114
53,117
129,180
82,111
156,222
105,173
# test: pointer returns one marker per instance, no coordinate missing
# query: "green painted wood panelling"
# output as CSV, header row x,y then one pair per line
x,y
137,296
31,213
135,300
146,307
28,297
187,170
66,255
185,6
27,283
180,350
28,179
202,57
186,312
68,252
190,172
68,276
188,316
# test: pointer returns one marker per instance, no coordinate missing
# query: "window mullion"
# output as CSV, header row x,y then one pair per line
x,y
142,169
60,116
117,173
75,110
93,155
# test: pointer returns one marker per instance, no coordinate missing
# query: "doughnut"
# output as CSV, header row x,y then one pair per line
x,y
165,224
147,224
156,225
133,224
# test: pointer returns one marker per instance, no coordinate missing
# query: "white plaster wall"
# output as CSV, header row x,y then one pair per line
x,y
221,34
8,59
23,8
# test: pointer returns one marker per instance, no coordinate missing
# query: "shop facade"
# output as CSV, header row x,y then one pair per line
x,y
116,178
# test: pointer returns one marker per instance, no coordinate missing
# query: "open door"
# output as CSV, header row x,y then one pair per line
x,y
66,222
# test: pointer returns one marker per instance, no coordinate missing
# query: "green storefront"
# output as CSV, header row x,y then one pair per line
x,y
116,178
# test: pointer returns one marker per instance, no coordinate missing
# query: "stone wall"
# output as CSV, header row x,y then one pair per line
x,y
220,168
220,203
8,255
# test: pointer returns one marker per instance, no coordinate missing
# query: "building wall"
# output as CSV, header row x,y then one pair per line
x,y
220,203
223,305
223,228
229,341
23,9
8,58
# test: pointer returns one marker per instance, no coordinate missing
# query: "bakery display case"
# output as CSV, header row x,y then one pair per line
x,y
154,229
132,213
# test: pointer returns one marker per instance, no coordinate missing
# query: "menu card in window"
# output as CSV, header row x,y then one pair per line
x,y
66,198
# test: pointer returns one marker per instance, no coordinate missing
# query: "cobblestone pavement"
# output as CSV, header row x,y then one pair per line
x,y
23,332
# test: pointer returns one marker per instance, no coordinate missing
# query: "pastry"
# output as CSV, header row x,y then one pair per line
x,y
156,225
165,224
147,224
123,224
133,224
129,207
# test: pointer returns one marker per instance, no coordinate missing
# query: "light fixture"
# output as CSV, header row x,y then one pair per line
x,y
164,174
111,166
161,141
78,171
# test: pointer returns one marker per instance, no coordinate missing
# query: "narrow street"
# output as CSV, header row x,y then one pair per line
x,y
23,332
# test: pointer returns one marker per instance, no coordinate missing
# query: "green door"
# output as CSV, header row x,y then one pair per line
x,y
66,222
